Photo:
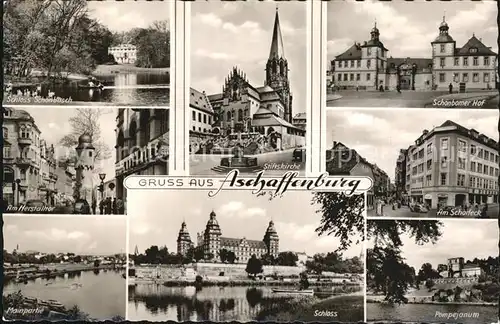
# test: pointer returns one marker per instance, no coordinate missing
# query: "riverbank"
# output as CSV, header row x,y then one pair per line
x,y
44,272
127,68
340,308
374,300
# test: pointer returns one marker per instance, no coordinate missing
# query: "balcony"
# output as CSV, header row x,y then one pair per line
x,y
8,160
24,161
24,141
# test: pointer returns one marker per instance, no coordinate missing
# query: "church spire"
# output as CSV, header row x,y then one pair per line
x,y
277,48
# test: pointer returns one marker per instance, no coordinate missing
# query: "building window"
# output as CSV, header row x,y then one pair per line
x,y
428,180
456,77
429,148
345,76
352,63
340,64
368,75
429,164
369,51
485,169
486,77
358,63
473,50
358,76
442,77
473,166
479,168
475,61
444,143
339,77
442,48
368,63
444,161
443,179
199,117
345,64
486,60
486,155
465,77
473,150
461,163
492,171
456,61
351,76
461,180
442,62
6,152
194,115
466,61
204,118
475,77
462,146
480,154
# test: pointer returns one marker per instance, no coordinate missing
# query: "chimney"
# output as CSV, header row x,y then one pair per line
x,y
425,132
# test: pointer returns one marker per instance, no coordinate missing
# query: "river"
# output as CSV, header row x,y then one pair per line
x,y
152,302
139,88
426,313
101,295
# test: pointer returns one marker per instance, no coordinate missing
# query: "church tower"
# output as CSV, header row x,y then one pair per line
x,y
277,69
271,240
84,184
211,239
184,242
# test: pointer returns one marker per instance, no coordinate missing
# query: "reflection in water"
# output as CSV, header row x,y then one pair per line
x,y
425,313
101,295
151,89
157,302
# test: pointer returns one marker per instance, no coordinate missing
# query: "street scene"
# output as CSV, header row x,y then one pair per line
x,y
438,275
249,126
59,161
58,269
446,165
282,265
86,52
433,55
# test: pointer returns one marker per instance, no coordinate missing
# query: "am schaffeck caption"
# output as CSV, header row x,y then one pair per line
x,y
258,183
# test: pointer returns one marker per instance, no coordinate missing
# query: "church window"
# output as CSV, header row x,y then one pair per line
x,y
486,60
475,77
466,61
368,76
456,77
358,76
358,63
443,48
465,77
352,63
475,61
345,76
442,61
456,61
486,77
442,77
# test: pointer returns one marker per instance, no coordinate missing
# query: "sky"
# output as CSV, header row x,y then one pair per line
x,y
121,16
239,213
408,28
83,235
53,124
224,35
378,135
455,241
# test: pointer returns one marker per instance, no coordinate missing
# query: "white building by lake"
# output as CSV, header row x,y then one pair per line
x,y
124,53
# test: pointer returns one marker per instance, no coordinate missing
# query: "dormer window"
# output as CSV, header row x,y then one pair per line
x,y
473,50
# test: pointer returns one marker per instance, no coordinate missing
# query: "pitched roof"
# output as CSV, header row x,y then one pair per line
x,y
352,53
342,160
473,42
200,101
277,48
236,242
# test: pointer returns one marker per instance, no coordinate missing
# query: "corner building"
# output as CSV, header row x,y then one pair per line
x,y
452,166
212,242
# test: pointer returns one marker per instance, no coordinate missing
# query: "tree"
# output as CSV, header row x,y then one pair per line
x,y
268,259
195,253
429,284
304,282
287,259
427,272
77,259
97,263
254,266
87,121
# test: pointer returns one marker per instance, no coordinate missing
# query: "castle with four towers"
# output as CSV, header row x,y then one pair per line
x,y
212,242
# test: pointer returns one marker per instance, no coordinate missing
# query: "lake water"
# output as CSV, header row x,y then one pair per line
x,y
423,313
126,89
159,303
101,295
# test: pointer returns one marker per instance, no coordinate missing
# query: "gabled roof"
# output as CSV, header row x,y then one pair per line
x,y
473,42
235,242
199,100
343,160
353,53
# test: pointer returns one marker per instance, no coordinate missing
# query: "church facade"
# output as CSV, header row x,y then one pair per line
x,y
369,66
212,242
244,108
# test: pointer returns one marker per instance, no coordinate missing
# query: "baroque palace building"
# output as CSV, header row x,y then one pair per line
x,y
450,166
142,144
212,242
369,66
243,108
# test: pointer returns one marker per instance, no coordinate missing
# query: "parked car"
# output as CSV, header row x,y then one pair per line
x,y
299,155
81,206
418,208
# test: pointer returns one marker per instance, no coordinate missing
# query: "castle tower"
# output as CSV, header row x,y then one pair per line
x,y
84,184
211,236
184,242
271,240
277,69
375,33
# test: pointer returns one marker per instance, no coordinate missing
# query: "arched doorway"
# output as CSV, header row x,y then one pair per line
x,y
404,76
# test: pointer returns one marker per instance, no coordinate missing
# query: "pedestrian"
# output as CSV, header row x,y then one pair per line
x,y
114,210
450,88
93,206
398,88
101,207
484,211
